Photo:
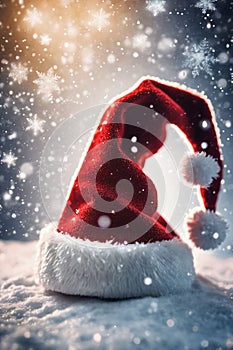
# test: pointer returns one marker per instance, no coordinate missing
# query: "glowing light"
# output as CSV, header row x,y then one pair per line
x,y
147,281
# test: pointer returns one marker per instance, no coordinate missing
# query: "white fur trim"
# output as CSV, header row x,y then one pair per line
x,y
207,229
200,169
80,267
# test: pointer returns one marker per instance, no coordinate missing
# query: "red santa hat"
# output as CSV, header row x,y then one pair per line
x,y
131,251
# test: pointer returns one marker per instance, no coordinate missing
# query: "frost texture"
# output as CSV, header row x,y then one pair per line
x,y
206,5
199,58
156,6
47,84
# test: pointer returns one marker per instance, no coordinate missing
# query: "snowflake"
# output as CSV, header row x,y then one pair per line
x,y
156,6
206,5
47,84
18,72
45,39
35,124
9,159
199,58
33,17
100,19
141,42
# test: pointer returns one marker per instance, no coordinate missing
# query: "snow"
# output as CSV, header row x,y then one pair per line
x,y
47,84
100,19
35,319
156,6
9,159
18,72
199,57
35,124
206,5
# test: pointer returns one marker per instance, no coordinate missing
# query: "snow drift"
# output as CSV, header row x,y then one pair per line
x,y
34,319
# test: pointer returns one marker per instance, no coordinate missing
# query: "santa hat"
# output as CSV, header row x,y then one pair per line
x,y
111,242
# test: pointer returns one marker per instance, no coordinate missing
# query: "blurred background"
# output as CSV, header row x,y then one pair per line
x,y
59,58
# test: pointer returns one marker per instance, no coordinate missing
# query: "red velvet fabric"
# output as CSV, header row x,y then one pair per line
x,y
102,185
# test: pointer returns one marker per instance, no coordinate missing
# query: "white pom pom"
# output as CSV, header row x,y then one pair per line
x,y
207,229
200,169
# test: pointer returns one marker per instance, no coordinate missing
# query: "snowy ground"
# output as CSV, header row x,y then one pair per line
x,y
34,319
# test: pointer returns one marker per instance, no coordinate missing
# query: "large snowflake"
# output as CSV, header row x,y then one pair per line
x,y
33,17
18,72
156,6
100,19
9,159
35,124
47,84
199,58
206,5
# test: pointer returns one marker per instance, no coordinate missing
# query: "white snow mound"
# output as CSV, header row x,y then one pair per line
x,y
38,320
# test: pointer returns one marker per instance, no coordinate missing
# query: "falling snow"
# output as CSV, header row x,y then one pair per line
x,y
33,17
18,72
47,84
35,124
100,19
199,57
58,60
45,39
9,159
156,6
140,42
206,5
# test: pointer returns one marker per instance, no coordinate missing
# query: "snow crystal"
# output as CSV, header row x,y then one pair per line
x,y
33,16
35,124
18,72
47,84
206,5
9,159
156,6
100,19
199,57
45,39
